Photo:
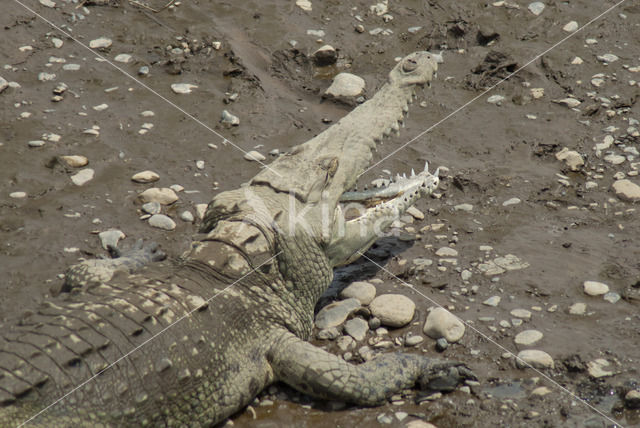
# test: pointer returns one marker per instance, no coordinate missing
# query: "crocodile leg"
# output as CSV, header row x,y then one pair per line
x,y
318,373
96,271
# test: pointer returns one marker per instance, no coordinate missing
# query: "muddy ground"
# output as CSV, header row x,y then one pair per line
x,y
568,232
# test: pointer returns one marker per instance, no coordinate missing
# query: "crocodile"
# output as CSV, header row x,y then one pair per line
x,y
191,341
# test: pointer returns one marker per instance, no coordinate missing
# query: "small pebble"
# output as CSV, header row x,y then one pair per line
x,y
230,119
186,216
162,221
100,43
152,208
124,58
442,323
346,85
393,310
492,301
528,337
512,201
110,238
182,88
495,99
537,359
336,313
594,288
536,7
361,290
18,195
36,143
164,196
83,176
441,344
578,309
254,156
570,26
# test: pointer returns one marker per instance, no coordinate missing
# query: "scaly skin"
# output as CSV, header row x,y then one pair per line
x,y
195,340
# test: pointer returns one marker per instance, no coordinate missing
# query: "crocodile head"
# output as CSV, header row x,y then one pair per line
x,y
314,178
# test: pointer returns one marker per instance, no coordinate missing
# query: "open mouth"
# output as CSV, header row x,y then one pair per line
x,y
389,196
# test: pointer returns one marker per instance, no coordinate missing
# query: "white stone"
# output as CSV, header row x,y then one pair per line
x,y
415,213
570,26
110,238
100,43
346,85
578,308
3,84
521,313
540,391
123,57
463,207
182,88
568,102
201,210
615,159
442,323
626,190
537,93
607,58
48,3
83,176
316,33
597,82
356,328
254,156
162,221
536,7
147,113
535,358
361,290
304,5
571,158
186,216
164,195
57,43
420,424
512,201
393,310
380,8
101,107
46,77
145,177
71,67
577,61
152,208
447,252
336,313
75,161
495,99
229,119
492,301
528,337
596,368
595,288
36,143
18,195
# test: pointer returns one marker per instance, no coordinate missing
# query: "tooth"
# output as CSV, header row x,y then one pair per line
x,y
405,108
387,132
398,177
413,173
426,166
436,172
404,175
396,127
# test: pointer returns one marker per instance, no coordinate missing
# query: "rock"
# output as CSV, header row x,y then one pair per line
x,y
346,85
57,43
446,252
466,275
3,84
100,43
442,344
363,291
254,156
304,5
75,161
145,177
201,210
512,201
568,102
101,107
328,334
570,26
413,340
578,309
152,208
326,55
463,207
83,176
596,368
110,238
229,119
420,424
143,71
336,313
536,7
18,195
164,195
442,323
536,358
632,399
571,158
612,297
123,58
540,391
615,159
521,313
415,213
626,190
607,58
71,67
594,288
182,88
393,310
495,99
414,30
46,77
356,328
48,3
316,33
528,337
186,216
162,221
492,301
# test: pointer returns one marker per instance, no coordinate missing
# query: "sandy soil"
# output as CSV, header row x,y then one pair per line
x,y
567,233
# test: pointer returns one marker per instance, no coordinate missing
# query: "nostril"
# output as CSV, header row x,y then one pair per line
x,y
409,65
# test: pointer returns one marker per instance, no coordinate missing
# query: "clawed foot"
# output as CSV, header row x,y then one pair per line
x,y
149,253
444,376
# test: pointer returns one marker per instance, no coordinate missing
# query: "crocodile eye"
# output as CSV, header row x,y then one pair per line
x,y
409,65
